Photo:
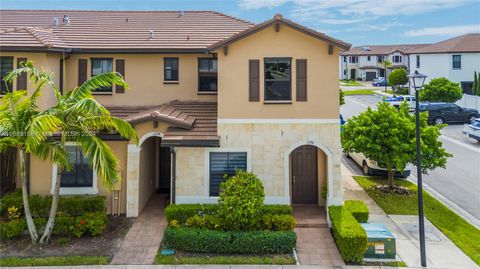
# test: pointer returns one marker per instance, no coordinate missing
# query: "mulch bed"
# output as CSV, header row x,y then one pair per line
x,y
393,190
106,244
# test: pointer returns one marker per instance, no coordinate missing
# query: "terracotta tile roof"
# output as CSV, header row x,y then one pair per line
x,y
463,43
382,49
192,122
278,18
97,30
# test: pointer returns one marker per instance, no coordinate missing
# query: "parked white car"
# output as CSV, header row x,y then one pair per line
x,y
370,167
473,130
397,100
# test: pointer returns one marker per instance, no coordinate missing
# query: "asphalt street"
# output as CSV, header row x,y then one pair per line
x,y
459,184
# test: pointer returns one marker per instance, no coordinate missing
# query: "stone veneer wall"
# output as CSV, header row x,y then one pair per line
x,y
267,145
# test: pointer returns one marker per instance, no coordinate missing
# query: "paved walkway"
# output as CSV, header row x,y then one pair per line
x,y
223,266
441,252
142,241
315,244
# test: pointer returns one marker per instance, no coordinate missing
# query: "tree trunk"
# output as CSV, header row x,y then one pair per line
x,y
26,206
391,178
47,233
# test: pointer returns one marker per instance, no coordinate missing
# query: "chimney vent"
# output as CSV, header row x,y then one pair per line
x,y
55,21
181,13
66,19
152,33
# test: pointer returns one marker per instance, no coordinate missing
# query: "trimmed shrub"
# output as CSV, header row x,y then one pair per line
x,y
11,229
279,222
241,197
181,212
67,205
201,240
350,237
358,209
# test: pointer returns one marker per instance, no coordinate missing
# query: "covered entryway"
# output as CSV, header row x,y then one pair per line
x,y
353,73
304,175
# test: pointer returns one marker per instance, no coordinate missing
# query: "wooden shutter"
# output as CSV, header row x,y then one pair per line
x,y
301,79
120,68
254,80
82,71
22,79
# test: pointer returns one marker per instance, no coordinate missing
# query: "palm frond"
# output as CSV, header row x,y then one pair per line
x,y
9,142
99,81
87,106
54,151
39,129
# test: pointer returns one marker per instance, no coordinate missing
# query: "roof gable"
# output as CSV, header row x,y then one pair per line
x,y
463,43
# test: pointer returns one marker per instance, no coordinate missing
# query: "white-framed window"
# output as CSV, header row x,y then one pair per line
x,y
368,58
457,61
353,59
81,179
418,61
221,162
397,58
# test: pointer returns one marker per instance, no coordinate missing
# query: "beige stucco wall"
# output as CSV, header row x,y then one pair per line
x,y
144,75
268,147
41,175
49,62
322,76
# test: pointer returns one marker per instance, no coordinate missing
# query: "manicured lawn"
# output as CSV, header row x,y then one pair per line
x,y
190,258
359,92
458,230
54,261
344,82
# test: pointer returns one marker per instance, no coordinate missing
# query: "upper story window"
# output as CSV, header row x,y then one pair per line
x,y
81,174
380,58
278,84
224,165
170,69
353,59
100,66
207,75
345,59
418,61
457,61
397,59
368,58
6,65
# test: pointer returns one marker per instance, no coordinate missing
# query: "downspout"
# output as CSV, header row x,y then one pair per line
x,y
173,174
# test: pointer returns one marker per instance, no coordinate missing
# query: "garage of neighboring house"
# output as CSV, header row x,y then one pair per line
x,y
369,73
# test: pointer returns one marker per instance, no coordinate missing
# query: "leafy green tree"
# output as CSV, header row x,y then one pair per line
x,y
387,136
441,90
398,77
342,97
476,84
76,117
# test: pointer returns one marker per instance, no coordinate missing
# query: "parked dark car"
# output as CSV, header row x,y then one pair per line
x,y
381,81
439,113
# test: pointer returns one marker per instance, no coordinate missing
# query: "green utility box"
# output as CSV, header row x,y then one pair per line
x,y
381,242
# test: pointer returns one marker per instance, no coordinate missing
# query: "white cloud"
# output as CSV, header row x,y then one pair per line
x,y
341,21
444,31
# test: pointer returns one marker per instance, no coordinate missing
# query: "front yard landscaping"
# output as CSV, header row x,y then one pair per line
x,y
189,258
350,82
358,92
54,261
458,230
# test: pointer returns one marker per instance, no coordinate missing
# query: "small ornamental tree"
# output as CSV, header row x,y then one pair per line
x,y
441,90
342,97
476,84
240,201
398,77
387,136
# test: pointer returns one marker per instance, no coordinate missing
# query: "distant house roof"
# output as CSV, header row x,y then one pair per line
x,y
278,18
141,31
120,30
193,123
382,49
463,43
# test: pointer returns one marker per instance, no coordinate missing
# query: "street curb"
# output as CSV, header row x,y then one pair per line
x,y
447,202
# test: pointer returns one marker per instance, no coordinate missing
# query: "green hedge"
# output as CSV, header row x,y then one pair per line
x,y
40,205
201,240
279,222
87,224
358,209
182,212
350,237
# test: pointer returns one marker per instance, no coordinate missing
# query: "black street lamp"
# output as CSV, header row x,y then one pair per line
x,y
416,80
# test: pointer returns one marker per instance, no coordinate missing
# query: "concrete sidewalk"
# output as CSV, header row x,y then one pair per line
x,y
441,252
221,267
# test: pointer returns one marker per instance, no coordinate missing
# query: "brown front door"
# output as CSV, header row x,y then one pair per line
x,y
304,175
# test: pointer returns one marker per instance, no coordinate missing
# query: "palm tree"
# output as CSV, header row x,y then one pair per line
x,y
77,117
386,63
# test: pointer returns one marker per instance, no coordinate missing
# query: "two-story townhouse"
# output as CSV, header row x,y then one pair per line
x,y
455,59
365,62
208,94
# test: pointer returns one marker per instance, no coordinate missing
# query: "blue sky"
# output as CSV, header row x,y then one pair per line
x,y
360,22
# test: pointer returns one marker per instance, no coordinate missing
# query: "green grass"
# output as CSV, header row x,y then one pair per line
x,y
182,258
54,261
389,264
345,82
458,230
359,92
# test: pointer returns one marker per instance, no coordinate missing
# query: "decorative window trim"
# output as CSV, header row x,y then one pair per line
x,y
453,62
73,190
207,165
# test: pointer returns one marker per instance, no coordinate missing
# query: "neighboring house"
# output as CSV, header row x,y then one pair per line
x,y
208,93
365,62
455,59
